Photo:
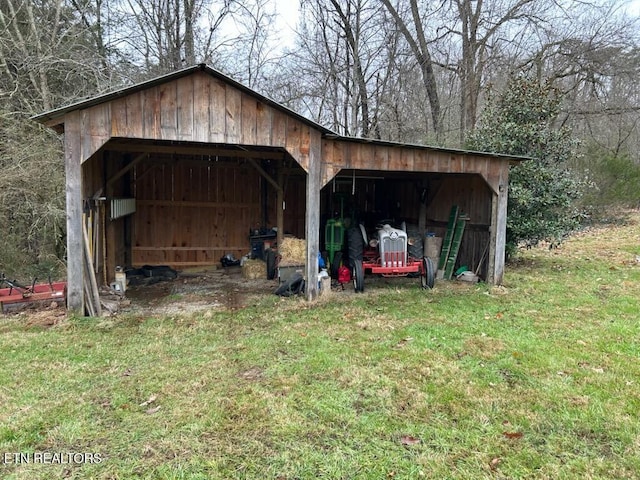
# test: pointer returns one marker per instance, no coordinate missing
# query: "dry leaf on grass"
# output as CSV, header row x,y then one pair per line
x,y
409,440
513,435
151,399
493,464
403,342
153,410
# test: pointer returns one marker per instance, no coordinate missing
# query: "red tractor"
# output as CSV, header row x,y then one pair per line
x,y
387,255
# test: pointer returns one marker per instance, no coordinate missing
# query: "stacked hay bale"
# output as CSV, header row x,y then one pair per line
x,y
254,269
293,251
293,256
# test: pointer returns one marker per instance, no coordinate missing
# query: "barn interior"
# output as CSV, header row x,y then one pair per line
x,y
186,205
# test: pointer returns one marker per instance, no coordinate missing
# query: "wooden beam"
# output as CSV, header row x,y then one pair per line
x,y
126,168
312,219
262,172
75,240
280,206
193,150
498,231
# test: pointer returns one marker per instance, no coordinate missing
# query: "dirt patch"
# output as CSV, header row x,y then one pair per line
x,y
43,316
191,292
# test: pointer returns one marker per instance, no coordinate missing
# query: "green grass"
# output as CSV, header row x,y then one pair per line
x,y
536,379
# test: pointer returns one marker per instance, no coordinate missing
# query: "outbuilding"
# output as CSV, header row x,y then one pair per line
x,y
186,168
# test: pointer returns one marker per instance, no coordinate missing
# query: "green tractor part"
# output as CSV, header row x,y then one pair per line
x,y
334,236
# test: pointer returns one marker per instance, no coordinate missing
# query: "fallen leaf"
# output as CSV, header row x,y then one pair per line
x,y
513,435
403,342
493,464
499,315
153,410
409,440
151,399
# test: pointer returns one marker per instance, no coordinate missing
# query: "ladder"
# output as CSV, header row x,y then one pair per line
x,y
448,238
451,244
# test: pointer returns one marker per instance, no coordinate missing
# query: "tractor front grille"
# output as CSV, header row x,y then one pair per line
x,y
393,252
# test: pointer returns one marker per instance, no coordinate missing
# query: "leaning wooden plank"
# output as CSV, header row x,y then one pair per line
x,y
93,284
88,303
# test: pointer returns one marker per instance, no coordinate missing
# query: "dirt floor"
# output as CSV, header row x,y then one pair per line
x,y
192,291
198,290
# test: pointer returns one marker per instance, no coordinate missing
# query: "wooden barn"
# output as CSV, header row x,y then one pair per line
x,y
183,169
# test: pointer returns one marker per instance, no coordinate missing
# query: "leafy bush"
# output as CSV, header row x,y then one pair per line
x,y
543,192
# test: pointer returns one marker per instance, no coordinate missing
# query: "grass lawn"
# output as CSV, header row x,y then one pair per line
x,y
537,379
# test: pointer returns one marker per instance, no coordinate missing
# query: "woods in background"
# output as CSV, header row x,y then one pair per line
x,y
403,70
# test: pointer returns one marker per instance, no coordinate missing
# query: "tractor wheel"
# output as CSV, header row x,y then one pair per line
x,y
335,265
428,273
358,276
416,249
271,264
355,243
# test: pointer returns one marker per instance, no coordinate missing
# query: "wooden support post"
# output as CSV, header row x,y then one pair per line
x,y
312,223
498,231
75,240
280,206
422,213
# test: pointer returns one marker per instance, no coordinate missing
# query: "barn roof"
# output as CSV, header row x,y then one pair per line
x,y
55,118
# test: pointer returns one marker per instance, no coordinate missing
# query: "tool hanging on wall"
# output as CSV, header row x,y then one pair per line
x,y
353,184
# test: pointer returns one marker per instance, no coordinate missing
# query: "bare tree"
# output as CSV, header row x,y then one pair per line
x,y
414,33
165,35
252,54
343,51
480,24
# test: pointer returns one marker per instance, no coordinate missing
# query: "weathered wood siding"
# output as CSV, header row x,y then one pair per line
x,y
341,154
195,108
193,212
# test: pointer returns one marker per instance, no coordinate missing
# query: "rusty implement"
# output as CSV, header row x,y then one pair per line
x,y
16,297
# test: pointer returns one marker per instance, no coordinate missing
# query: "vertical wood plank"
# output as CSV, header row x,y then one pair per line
x,y
381,157
312,227
263,124
201,114
168,111
395,159
96,129
457,163
134,115
118,118
217,110
151,112
498,231
233,111
75,241
185,106
279,129
294,142
249,116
